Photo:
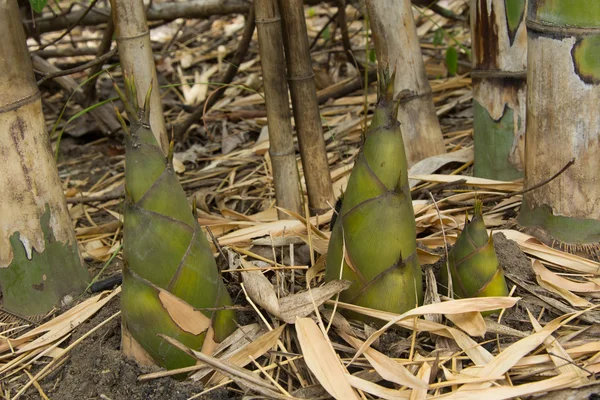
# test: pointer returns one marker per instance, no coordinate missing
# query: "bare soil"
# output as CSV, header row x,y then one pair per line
x,y
97,370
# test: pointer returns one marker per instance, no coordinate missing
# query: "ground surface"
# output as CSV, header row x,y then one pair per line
x,y
223,163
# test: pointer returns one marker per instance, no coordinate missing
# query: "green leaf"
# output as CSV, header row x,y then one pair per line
x,y
38,5
438,37
452,60
372,55
326,33
311,12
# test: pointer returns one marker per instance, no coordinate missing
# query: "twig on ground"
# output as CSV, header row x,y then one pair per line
x,y
71,27
94,63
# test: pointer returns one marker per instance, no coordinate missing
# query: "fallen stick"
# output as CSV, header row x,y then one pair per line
x,y
104,115
158,11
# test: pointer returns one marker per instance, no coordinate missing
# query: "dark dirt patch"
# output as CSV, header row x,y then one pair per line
x,y
97,370
512,259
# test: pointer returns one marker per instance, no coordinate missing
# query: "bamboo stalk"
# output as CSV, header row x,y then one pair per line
x,y
499,39
397,46
563,78
135,52
39,259
301,79
281,151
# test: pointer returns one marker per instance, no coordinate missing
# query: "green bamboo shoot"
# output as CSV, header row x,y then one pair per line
x,y
373,240
473,263
168,261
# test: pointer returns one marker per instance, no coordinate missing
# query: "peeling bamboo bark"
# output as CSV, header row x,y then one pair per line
x,y
397,45
39,260
563,122
499,38
135,53
283,155
306,109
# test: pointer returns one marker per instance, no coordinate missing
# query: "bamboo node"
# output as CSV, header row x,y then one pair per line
x,y
125,38
267,20
541,27
282,153
301,78
21,102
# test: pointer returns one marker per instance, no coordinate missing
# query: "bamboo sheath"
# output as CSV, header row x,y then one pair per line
x,y
499,39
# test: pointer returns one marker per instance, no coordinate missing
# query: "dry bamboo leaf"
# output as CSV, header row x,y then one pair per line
x,y
251,351
96,250
389,369
241,376
304,303
470,322
237,338
418,325
572,298
472,349
178,165
236,216
232,343
316,269
558,354
449,307
584,349
260,289
431,295
276,228
61,325
426,257
471,181
184,315
432,164
318,244
322,360
108,227
287,308
509,392
534,247
434,242
195,94
337,320
511,355
375,389
209,345
313,225
423,374
567,284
